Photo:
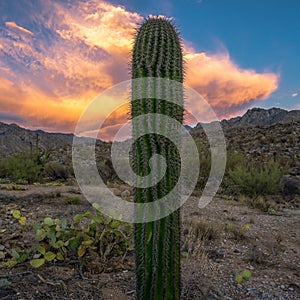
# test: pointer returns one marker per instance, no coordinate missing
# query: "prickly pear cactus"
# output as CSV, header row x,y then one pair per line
x,y
157,53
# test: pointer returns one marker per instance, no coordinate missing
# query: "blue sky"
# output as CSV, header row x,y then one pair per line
x,y
56,56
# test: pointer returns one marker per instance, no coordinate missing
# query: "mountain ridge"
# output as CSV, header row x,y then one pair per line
x,y
258,117
14,138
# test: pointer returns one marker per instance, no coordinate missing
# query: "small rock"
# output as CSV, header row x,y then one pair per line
x,y
125,194
2,255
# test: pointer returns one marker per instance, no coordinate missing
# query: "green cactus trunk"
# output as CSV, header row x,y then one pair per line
x,y
157,53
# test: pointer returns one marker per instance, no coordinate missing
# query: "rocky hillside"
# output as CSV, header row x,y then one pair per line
x,y
16,139
262,134
260,117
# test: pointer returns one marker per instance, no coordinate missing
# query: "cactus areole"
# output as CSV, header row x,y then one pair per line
x,y
157,53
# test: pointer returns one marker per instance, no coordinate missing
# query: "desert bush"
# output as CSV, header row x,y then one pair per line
x,y
55,171
205,162
205,165
25,167
234,159
21,167
254,180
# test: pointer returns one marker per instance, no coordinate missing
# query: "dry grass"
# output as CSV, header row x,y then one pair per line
x,y
258,202
195,233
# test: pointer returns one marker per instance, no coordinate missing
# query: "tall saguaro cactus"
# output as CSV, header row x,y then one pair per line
x,y
157,53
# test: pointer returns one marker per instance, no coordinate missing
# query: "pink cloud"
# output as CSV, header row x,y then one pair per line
x,y
20,28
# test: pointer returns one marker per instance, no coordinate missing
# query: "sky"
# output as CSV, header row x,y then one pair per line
x,y
57,56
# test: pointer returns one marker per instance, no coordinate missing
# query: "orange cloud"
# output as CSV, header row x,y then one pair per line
x,y
55,81
224,85
40,110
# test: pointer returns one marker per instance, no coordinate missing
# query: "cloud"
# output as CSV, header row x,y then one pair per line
x,y
224,85
75,50
50,79
294,95
9,117
33,108
20,28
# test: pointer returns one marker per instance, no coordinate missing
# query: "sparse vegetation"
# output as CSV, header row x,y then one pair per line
x,y
24,167
258,202
72,200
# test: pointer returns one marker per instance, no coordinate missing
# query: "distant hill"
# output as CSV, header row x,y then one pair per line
x,y
14,138
260,117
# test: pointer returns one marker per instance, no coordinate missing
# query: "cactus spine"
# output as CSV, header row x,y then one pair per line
x,y
157,52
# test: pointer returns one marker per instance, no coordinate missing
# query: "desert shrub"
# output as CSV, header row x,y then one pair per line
x,y
21,167
254,180
25,167
235,158
205,163
55,171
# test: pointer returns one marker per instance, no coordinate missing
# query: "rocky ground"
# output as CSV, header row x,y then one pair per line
x,y
219,242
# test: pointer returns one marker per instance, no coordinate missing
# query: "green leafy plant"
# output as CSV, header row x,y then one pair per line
x,y
157,53
57,194
88,233
271,211
246,226
17,215
245,275
228,226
